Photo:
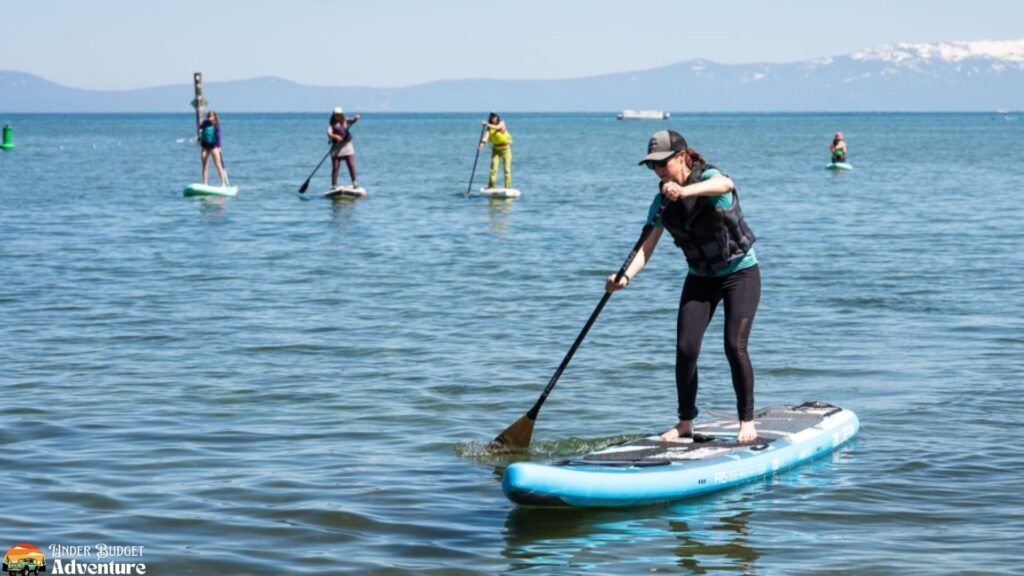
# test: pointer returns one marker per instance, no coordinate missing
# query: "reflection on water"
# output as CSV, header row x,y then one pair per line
x,y
721,546
500,209
342,209
715,533
213,206
632,540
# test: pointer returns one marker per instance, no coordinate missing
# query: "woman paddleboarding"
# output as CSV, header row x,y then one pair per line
x,y
838,148
209,141
704,218
501,149
341,145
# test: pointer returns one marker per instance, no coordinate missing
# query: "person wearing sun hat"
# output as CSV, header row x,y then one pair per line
x,y
838,148
341,145
703,216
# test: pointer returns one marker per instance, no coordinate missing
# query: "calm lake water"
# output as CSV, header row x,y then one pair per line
x,y
283,384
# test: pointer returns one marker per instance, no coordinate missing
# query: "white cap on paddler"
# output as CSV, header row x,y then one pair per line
x,y
337,110
664,144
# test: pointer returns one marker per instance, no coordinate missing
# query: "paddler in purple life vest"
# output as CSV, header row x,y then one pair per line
x,y
341,145
209,143
704,218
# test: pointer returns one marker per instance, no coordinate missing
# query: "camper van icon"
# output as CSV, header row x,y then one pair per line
x,y
24,559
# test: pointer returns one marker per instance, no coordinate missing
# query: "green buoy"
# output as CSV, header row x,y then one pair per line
x,y
7,144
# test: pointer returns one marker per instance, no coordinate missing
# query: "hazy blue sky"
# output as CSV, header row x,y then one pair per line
x,y
108,44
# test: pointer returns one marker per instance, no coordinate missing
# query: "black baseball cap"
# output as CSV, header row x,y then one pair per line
x,y
664,144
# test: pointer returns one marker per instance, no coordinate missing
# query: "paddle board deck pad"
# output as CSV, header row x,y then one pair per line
x,y
839,166
648,471
345,192
500,192
206,190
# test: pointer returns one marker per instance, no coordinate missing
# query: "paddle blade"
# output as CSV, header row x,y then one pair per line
x,y
305,185
515,438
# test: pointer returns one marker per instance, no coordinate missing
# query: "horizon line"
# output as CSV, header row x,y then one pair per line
x,y
485,79
549,112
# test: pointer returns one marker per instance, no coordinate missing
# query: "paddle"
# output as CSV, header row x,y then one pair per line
x,y
227,182
517,436
305,185
475,159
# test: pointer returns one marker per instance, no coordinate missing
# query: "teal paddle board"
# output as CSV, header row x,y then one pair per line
x,y
648,470
839,166
207,190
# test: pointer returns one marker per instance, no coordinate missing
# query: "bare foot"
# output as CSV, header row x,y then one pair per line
x,y
682,430
747,432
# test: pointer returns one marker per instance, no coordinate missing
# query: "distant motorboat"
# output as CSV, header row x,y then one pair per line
x,y
643,115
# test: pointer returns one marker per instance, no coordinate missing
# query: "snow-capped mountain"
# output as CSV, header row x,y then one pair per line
x,y
949,76
1004,51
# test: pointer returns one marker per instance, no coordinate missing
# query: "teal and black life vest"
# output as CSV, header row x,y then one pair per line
x,y
711,237
208,135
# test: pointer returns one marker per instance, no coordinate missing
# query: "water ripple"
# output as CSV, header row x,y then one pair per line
x,y
216,380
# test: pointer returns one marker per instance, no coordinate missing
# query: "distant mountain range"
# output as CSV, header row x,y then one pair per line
x,y
951,76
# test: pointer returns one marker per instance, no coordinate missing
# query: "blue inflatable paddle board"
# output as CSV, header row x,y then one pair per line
x,y
839,166
648,471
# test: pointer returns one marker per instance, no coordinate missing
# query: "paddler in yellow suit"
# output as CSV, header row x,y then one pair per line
x,y
501,148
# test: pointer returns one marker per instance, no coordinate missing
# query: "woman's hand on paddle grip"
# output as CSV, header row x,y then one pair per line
x,y
610,285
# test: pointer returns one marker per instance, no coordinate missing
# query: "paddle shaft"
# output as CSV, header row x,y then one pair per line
x,y
475,159
305,185
532,414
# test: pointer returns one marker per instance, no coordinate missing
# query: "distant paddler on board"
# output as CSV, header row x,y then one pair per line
x,y
498,135
340,137
838,150
210,145
208,137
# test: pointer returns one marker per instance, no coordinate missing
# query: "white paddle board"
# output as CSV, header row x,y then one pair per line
x,y
500,192
345,192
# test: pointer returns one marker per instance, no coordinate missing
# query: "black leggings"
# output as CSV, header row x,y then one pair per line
x,y
741,291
